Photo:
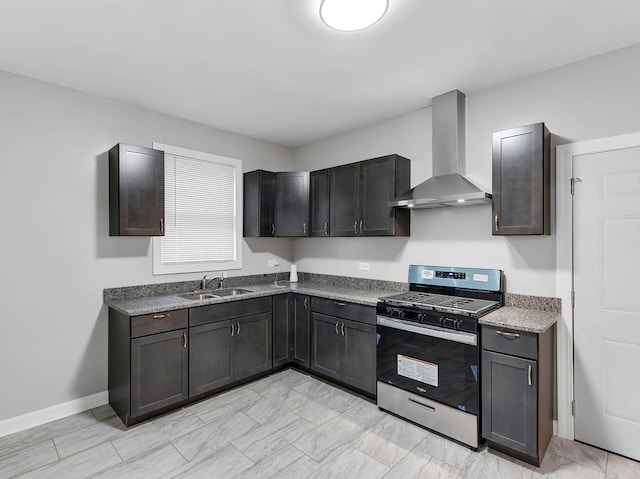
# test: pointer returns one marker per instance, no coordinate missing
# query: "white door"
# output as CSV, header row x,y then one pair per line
x,y
606,236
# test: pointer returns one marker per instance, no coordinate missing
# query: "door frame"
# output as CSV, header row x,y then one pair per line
x,y
565,155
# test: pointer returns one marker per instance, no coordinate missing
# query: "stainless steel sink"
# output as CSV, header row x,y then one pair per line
x,y
198,296
213,293
231,292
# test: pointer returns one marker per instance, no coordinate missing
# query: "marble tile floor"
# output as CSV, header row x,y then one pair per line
x,y
288,425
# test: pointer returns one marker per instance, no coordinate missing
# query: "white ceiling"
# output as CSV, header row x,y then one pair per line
x,y
270,69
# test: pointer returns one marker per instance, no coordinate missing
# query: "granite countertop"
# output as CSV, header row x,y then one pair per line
x,y
521,319
170,302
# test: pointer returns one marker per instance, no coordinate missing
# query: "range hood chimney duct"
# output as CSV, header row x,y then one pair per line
x,y
448,186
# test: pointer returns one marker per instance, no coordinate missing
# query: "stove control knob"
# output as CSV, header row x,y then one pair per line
x,y
401,314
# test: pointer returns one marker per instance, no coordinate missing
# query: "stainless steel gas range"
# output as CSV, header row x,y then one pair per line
x,y
427,352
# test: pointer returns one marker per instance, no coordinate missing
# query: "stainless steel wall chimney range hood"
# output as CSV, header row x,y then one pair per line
x,y
448,186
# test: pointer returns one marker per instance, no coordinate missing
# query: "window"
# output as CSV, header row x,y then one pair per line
x,y
203,219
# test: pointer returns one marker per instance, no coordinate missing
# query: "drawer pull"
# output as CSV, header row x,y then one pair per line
x,y
160,316
508,335
421,404
337,303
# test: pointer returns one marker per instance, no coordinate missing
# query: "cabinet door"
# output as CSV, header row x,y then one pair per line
x,y
136,191
358,363
282,325
326,345
344,199
509,401
210,357
252,335
292,203
159,371
259,203
521,181
300,330
319,199
381,180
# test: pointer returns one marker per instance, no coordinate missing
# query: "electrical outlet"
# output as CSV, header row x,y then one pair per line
x,y
273,263
364,267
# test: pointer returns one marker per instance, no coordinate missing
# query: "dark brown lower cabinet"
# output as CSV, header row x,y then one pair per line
x,y
252,345
517,391
291,329
211,357
159,371
343,343
300,330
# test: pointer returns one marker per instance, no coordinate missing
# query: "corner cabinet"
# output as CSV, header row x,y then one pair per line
x,y
259,203
343,343
360,194
522,181
291,330
319,200
136,191
517,391
292,203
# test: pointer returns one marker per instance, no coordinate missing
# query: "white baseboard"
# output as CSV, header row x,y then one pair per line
x,y
52,413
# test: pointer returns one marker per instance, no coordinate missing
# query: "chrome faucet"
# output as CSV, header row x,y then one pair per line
x,y
204,282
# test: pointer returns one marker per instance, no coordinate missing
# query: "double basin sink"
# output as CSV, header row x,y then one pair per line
x,y
213,293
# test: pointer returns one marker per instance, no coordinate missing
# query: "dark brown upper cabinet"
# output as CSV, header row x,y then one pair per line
x,y
319,199
136,191
521,181
259,217
292,203
360,194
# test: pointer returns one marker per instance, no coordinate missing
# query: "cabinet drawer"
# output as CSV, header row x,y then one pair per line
x,y
345,310
158,322
230,310
510,341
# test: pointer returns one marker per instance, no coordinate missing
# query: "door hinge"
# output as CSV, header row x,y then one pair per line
x,y
573,407
573,298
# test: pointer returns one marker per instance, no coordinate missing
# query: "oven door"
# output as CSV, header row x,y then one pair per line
x,y
436,363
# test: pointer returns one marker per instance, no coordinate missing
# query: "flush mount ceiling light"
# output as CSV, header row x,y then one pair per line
x,y
351,15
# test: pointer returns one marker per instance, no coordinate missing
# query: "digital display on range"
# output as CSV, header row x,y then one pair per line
x,y
450,275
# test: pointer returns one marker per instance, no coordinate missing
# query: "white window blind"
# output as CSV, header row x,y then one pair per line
x,y
201,214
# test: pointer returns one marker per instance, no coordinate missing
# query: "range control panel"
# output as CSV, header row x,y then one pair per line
x,y
450,275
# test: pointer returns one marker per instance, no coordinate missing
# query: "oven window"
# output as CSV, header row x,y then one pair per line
x,y
439,369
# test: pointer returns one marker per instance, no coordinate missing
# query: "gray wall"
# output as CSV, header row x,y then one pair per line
x,y
58,256
594,98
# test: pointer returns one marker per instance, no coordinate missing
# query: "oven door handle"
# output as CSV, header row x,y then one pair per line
x,y
442,333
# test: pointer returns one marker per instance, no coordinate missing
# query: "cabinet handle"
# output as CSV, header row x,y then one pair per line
x,y
184,337
273,230
495,222
238,329
306,302
326,228
508,335
337,303
231,329
304,228
337,329
343,329
360,226
355,227
161,225
160,316
529,374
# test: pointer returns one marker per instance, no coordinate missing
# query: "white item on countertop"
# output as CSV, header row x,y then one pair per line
x,y
293,276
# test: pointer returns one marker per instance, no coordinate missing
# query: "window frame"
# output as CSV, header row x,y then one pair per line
x,y
160,268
